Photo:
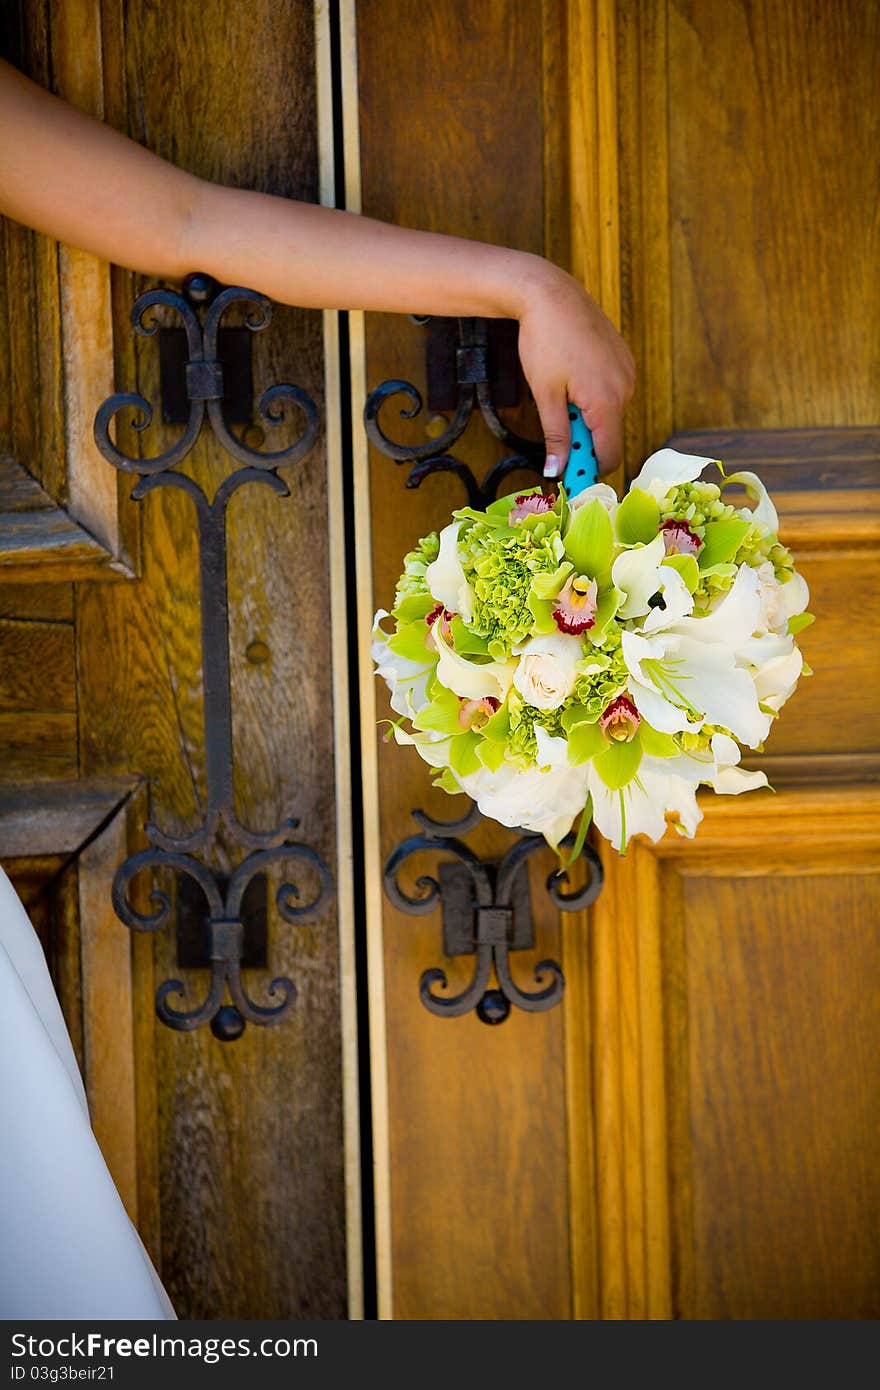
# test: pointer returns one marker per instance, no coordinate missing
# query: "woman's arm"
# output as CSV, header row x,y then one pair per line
x,y
82,182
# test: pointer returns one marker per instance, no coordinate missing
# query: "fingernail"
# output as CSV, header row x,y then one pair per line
x,y
553,466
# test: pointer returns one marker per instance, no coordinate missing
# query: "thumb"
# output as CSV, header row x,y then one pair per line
x,y
553,411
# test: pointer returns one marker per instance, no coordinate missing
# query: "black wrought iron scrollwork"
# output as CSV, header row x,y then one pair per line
x,y
201,308
486,917
472,375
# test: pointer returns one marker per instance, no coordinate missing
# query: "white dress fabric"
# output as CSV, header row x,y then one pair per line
x,y
67,1247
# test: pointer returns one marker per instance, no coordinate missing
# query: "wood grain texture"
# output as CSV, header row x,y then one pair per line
x,y
29,287
93,489
585,125
51,602
40,542
37,746
48,887
37,666
632,1216
736,1152
753,314
776,319
782,998
108,1016
248,1140
67,897
57,817
645,252
478,1162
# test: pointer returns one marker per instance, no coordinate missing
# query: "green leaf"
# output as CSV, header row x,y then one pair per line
x,y
688,569
721,541
409,642
799,622
580,837
441,715
589,543
619,763
637,518
655,744
585,741
463,754
466,642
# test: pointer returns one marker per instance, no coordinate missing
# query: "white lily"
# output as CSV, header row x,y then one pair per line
x,y
729,778
543,802
446,578
406,680
735,618
640,574
776,680
770,659
764,513
661,786
466,678
667,468
672,677
552,752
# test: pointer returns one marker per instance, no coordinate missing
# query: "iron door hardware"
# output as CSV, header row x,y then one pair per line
x,y
216,907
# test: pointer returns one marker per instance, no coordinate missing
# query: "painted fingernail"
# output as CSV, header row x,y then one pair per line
x,y
552,466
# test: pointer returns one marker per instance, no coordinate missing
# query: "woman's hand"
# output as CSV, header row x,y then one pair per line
x,y
570,351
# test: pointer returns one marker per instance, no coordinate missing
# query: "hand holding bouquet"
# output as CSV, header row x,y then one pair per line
x,y
555,659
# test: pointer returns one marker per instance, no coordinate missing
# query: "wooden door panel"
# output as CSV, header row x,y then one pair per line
x,y
475,1127
735,1078
711,177
775,1162
61,516
772,154
232,1159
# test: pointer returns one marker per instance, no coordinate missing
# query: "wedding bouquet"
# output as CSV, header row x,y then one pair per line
x,y
556,657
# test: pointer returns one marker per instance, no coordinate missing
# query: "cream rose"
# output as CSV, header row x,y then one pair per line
x,y
597,492
546,671
779,602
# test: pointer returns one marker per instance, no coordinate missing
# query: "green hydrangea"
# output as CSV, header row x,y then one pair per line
x,y
521,742
500,562
605,679
412,582
697,503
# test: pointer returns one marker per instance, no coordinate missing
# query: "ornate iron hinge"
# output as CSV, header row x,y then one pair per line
x,y
201,308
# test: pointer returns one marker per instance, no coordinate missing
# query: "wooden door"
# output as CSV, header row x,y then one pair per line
x,y
694,1132
238,1161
